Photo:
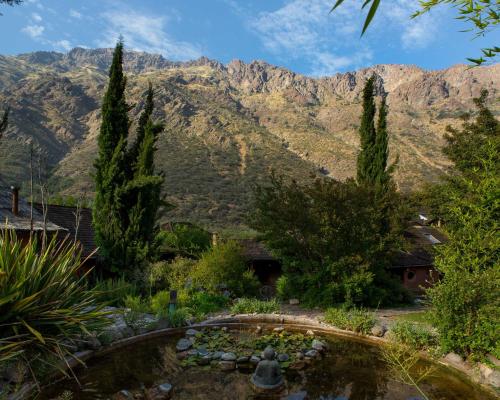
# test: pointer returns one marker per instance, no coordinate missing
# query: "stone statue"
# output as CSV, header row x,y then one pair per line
x,y
267,375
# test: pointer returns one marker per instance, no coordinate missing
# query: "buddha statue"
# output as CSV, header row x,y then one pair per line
x,y
267,375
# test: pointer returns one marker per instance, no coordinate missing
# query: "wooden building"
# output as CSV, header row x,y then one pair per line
x,y
77,223
415,266
265,266
16,214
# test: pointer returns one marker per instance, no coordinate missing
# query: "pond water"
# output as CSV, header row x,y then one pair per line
x,y
349,370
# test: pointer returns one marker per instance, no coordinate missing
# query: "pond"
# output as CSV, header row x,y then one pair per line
x,y
348,370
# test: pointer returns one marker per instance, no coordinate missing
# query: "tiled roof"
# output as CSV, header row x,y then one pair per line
x,y
421,239
65,216
21,221
255,250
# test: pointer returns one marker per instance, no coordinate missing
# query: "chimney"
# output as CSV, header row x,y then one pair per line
x,y
15,200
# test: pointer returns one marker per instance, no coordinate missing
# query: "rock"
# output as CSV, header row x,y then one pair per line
x,y
202,351
191,332
294,302
258,330
379,330
312,353
182,355
318,345
254,360
242,360
160,392
93,343
299,356
298,365
183,345
205,360
489,375
228,357
310,332
165,388
278,329
123,395
192,352
227,365
217,355
453,358
283,357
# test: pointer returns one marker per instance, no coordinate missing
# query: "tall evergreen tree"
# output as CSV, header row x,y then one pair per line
x,y
367,133
128,192
144,190
109,214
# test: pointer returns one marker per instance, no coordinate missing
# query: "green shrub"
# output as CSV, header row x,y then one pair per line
x,y
159,303
137,304
178,317
113,291
335,240
224,267
417,336
283,289
45,306
202,303
249,306
178,273
356,320
186,240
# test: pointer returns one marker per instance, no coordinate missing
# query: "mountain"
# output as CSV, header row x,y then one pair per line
x,y
227,126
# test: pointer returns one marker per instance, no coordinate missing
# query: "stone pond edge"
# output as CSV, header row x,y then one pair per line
x,y
470,372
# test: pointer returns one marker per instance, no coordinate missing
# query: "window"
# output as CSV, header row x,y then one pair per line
x,y
410,275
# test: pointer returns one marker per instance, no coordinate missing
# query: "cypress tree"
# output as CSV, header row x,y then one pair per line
x,y
109,213
144,190
128,192
381,173
367,133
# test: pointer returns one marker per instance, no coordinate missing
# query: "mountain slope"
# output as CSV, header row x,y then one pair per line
x,y
228,126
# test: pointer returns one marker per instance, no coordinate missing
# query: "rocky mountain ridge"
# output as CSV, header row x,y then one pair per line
x,y
228,126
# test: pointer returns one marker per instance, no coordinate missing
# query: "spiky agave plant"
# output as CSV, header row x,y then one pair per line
x,y
45,306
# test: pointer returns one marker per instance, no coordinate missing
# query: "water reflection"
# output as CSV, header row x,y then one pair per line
x,y
350,370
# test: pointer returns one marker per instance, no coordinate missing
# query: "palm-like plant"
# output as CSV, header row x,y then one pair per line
x,y
45,306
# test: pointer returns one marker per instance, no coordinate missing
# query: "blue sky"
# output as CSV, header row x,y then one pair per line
x,y
297,34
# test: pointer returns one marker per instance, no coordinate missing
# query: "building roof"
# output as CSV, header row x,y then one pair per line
x,y
65,216
255,250
421,238
21,221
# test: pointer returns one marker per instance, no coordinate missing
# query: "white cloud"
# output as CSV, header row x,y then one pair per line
x,y
331,41
305,29
145,33
35,31
75,14
62,45
415,33
36,17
